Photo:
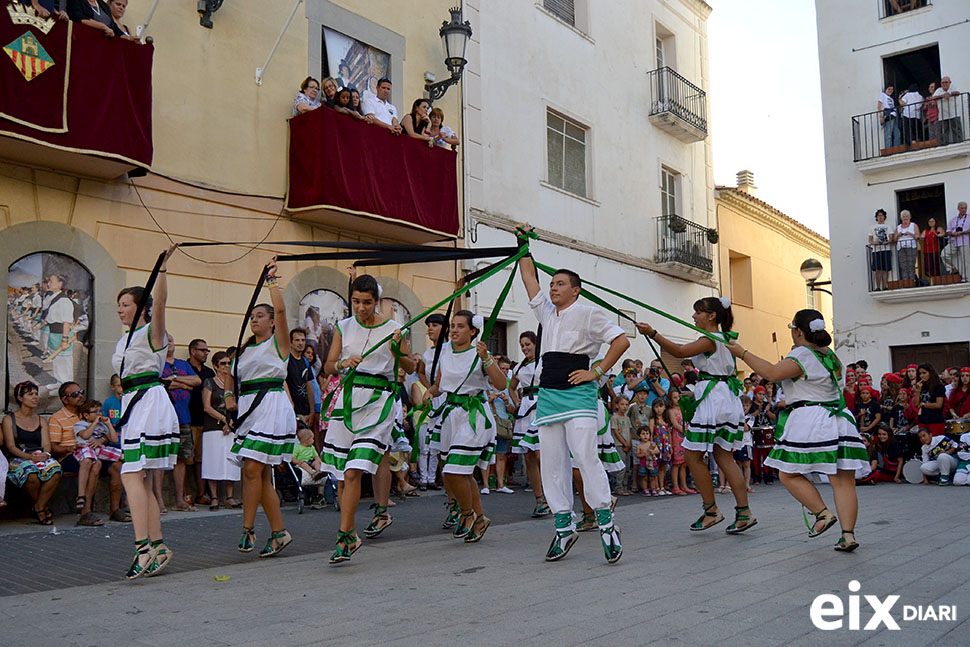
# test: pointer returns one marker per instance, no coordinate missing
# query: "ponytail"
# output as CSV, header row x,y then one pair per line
x,y
723,316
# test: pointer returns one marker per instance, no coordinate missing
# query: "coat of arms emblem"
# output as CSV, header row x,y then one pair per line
x,y
29,56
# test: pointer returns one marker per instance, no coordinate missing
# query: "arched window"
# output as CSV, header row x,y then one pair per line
x,y
319,312
49,318
395,310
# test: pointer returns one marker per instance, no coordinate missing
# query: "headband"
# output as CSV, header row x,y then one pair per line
x,y
892,377
760,389
911,366
965,369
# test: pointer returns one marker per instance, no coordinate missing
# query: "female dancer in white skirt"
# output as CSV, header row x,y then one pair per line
x,y
524,389
815,432
466,428
717,425
150,429
359,431
266,422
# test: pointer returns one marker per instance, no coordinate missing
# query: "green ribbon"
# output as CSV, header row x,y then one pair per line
x,y
378,384
473,404
350,379
551,271
688,405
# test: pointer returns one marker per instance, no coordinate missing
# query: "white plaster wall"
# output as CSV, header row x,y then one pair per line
x,y
852,43
523,61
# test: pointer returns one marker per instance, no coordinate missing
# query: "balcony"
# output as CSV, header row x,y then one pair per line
x,y
914,274
937,131
57,113
354,176
891,8
677,106
685,246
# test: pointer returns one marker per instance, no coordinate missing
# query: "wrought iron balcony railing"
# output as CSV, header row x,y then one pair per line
x,y
671,95
928,124
681,241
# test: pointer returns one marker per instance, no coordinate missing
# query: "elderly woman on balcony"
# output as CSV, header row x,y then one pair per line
x,y
443,135
307,98
906,239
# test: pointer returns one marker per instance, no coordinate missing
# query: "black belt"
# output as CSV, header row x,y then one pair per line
x,y
530,391
376,382
557,366
140,382
255,386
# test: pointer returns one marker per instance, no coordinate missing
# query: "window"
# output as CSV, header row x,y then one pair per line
x,y
565,10
566,152
353,63
661,59
895,7
395,310
319,313
920,66
740,266
668,191
497,341
49,322
923,203
810,299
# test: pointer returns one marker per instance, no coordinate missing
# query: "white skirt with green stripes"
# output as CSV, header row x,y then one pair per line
x,y
815,441
718,420
150,438
462,447
268,434
363,448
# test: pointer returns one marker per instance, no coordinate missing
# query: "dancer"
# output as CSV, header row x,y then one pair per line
x,y
359,430
566,410
266,423
149,425
717,424
466,428
816,432
428,458
525,435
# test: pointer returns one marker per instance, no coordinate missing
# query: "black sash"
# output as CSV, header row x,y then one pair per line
x,y
556,368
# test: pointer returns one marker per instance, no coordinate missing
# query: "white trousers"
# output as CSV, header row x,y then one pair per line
x,y
427,457
944,465
558,440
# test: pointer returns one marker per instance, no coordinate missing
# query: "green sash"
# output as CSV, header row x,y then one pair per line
x,y
831,364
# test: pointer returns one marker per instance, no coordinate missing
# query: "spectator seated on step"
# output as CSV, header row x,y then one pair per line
x,y
97,441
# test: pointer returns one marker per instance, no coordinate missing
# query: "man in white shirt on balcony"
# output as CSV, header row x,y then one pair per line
x,y
952,111
379,111
956,255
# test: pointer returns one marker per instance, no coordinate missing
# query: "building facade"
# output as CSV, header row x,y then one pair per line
x,y
908,300
759,254
588,120
218,172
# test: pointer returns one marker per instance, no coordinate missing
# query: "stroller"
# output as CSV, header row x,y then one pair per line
x,y
288,482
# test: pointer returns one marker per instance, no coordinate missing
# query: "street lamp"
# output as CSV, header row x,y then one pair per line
x,y
454,39
810,270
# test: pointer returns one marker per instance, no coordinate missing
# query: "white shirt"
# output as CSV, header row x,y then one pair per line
x,y
578,329
949,108
888,103
880,236
906,241
383,111
913,105
61,311
445,132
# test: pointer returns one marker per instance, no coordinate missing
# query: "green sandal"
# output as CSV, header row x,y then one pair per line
x,y
347,544
277,541
141,561
609,535
588,523
742,520
163,555
464,526
716,515
541,509
379,523
564,538
478,530
844,546
825,517
248,540
454,512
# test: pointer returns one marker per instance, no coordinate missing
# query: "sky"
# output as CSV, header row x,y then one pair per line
x,y
765,103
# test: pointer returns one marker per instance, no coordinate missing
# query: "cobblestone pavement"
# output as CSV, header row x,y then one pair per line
x,y
414,586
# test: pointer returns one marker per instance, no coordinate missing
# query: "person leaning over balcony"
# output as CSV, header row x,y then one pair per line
x,y
329,89
379,111
951,112
117,8
931,248
46,9
308,98
95,14
889,117
905,237
355,103
443,135
416,122
956,256
344,103
881,259
912,103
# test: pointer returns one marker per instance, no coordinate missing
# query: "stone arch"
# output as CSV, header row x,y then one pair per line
x,y
45,236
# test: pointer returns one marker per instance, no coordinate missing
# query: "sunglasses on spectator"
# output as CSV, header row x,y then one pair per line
x,y
201,350
76,394
225,363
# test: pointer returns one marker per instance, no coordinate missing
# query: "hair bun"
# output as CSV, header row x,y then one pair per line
x,y
725,302
478,323
817,325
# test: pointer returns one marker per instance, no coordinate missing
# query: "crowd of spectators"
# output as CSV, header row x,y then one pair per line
x,y
916,120
920,255
105,16
422,122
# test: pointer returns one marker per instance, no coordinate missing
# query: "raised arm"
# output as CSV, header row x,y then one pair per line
x,y
159,337
279,307
527,270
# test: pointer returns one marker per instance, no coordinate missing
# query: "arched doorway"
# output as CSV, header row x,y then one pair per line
x,y
319,312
